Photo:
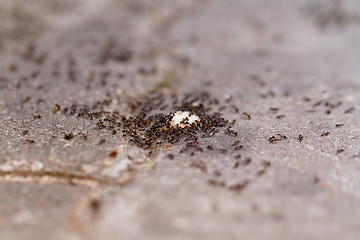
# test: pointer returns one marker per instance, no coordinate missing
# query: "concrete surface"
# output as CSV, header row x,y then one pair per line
x,y
279,68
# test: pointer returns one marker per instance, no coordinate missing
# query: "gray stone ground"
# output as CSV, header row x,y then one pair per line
x,y
294,66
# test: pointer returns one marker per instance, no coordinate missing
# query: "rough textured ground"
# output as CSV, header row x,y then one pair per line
x,y
286,71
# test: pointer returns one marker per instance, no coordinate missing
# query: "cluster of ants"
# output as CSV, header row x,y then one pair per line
x,y
149,127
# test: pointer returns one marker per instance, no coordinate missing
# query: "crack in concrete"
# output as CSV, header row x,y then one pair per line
x,y
51,177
